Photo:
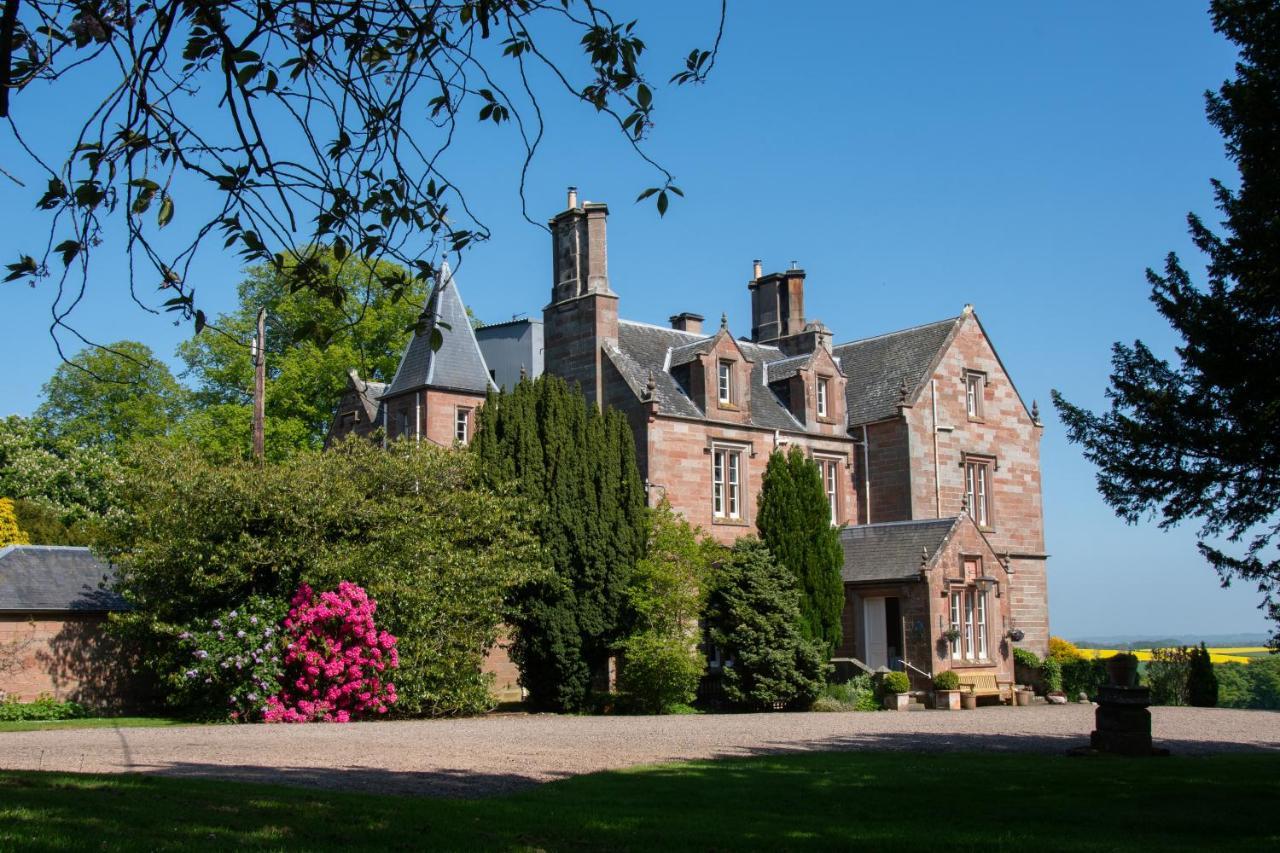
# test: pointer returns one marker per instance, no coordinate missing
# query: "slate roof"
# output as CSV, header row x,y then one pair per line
x,y
891,551
785,368
458,364
876,367
643,349
45,578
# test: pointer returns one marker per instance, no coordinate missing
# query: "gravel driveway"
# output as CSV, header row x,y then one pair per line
x,y
487,755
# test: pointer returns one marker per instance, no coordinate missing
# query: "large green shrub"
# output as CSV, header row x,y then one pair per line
x,y
1083,675
414,525
659,672
754,617
1252,685
1202,684
1051,674
1026,657
794,520
1167,675
856,694
578,466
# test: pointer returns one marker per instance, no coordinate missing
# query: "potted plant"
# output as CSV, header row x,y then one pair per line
x,y
1016,635
952,634
946,691
1122,670
897,691
1022,695
969,700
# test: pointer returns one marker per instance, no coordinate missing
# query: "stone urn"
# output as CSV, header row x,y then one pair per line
x,y
969,700
946,700
1122,670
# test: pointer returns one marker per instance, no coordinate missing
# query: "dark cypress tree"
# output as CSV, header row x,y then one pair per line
x,y
794,520
753,613
1197,438
1202,681
579,467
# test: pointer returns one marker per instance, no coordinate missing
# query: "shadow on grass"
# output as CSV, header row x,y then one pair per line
x,y
816,800
445,783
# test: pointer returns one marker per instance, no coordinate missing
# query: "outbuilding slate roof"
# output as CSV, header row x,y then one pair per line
x,y
891,551
369,392
458,364
52,578
876,368
643,349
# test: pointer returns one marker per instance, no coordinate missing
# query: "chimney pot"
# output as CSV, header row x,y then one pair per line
x,y
573,197
756,270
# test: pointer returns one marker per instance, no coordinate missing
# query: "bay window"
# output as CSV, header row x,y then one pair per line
x,y
969,619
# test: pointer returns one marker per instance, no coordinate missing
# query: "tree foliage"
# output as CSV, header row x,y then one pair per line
x,y
1202,684
413,525
754,617
76,483
10,532
1195,437
107,396
311,343
794,520
579,466
273,126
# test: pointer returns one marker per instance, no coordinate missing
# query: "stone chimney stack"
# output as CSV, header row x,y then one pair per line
x,y
777,305
582,316
687,322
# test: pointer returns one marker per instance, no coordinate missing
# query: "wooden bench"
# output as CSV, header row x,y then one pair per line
x,y
985,684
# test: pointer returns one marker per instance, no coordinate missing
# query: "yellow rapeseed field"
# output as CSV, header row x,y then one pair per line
x,y
1217,655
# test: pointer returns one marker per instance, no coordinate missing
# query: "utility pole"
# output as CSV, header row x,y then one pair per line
x,y
259,385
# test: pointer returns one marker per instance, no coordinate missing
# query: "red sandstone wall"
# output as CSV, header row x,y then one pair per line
x,y
506,677
889,473
679,455
67,656
1005,433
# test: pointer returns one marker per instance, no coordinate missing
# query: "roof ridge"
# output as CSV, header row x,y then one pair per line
x,y
13,547
920,522
898,332
695,335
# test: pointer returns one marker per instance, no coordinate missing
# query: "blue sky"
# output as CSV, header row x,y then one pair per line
x,y
1031,159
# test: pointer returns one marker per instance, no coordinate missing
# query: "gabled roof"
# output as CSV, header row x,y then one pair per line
x,y
877,367
644,349
785,368
458,364
892,551
45,578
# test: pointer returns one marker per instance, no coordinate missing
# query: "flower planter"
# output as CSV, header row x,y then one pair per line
x,y
946,700
897,701
969,701
1023,697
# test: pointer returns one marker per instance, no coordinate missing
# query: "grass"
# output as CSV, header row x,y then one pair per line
x,y
89,723
867,801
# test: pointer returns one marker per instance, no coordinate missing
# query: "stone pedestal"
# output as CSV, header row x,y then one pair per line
x,y
1123,721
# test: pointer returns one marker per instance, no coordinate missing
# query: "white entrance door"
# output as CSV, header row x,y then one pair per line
x,y
875,634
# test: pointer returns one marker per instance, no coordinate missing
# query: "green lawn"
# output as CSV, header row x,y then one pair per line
x,y
89,723
864,801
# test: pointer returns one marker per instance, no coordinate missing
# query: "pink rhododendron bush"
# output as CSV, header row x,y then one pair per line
x,y
337,659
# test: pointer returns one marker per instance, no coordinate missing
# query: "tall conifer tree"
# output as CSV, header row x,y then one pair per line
x,y
579,466
794,520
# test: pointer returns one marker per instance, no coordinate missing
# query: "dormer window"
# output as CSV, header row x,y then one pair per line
x,y
725,382
822,396
974,385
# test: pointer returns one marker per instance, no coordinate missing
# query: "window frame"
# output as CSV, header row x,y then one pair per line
x,y
975,386
969,613
978,472
829,470
728,476
462,418
823,395
724,382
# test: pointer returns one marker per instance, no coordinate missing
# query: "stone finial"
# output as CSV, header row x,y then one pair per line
x,y
903,391
524,374
964,503
1035,411
924,555
724,321
651,387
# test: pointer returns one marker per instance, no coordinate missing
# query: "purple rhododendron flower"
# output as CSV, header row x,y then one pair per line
x,y
201,654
